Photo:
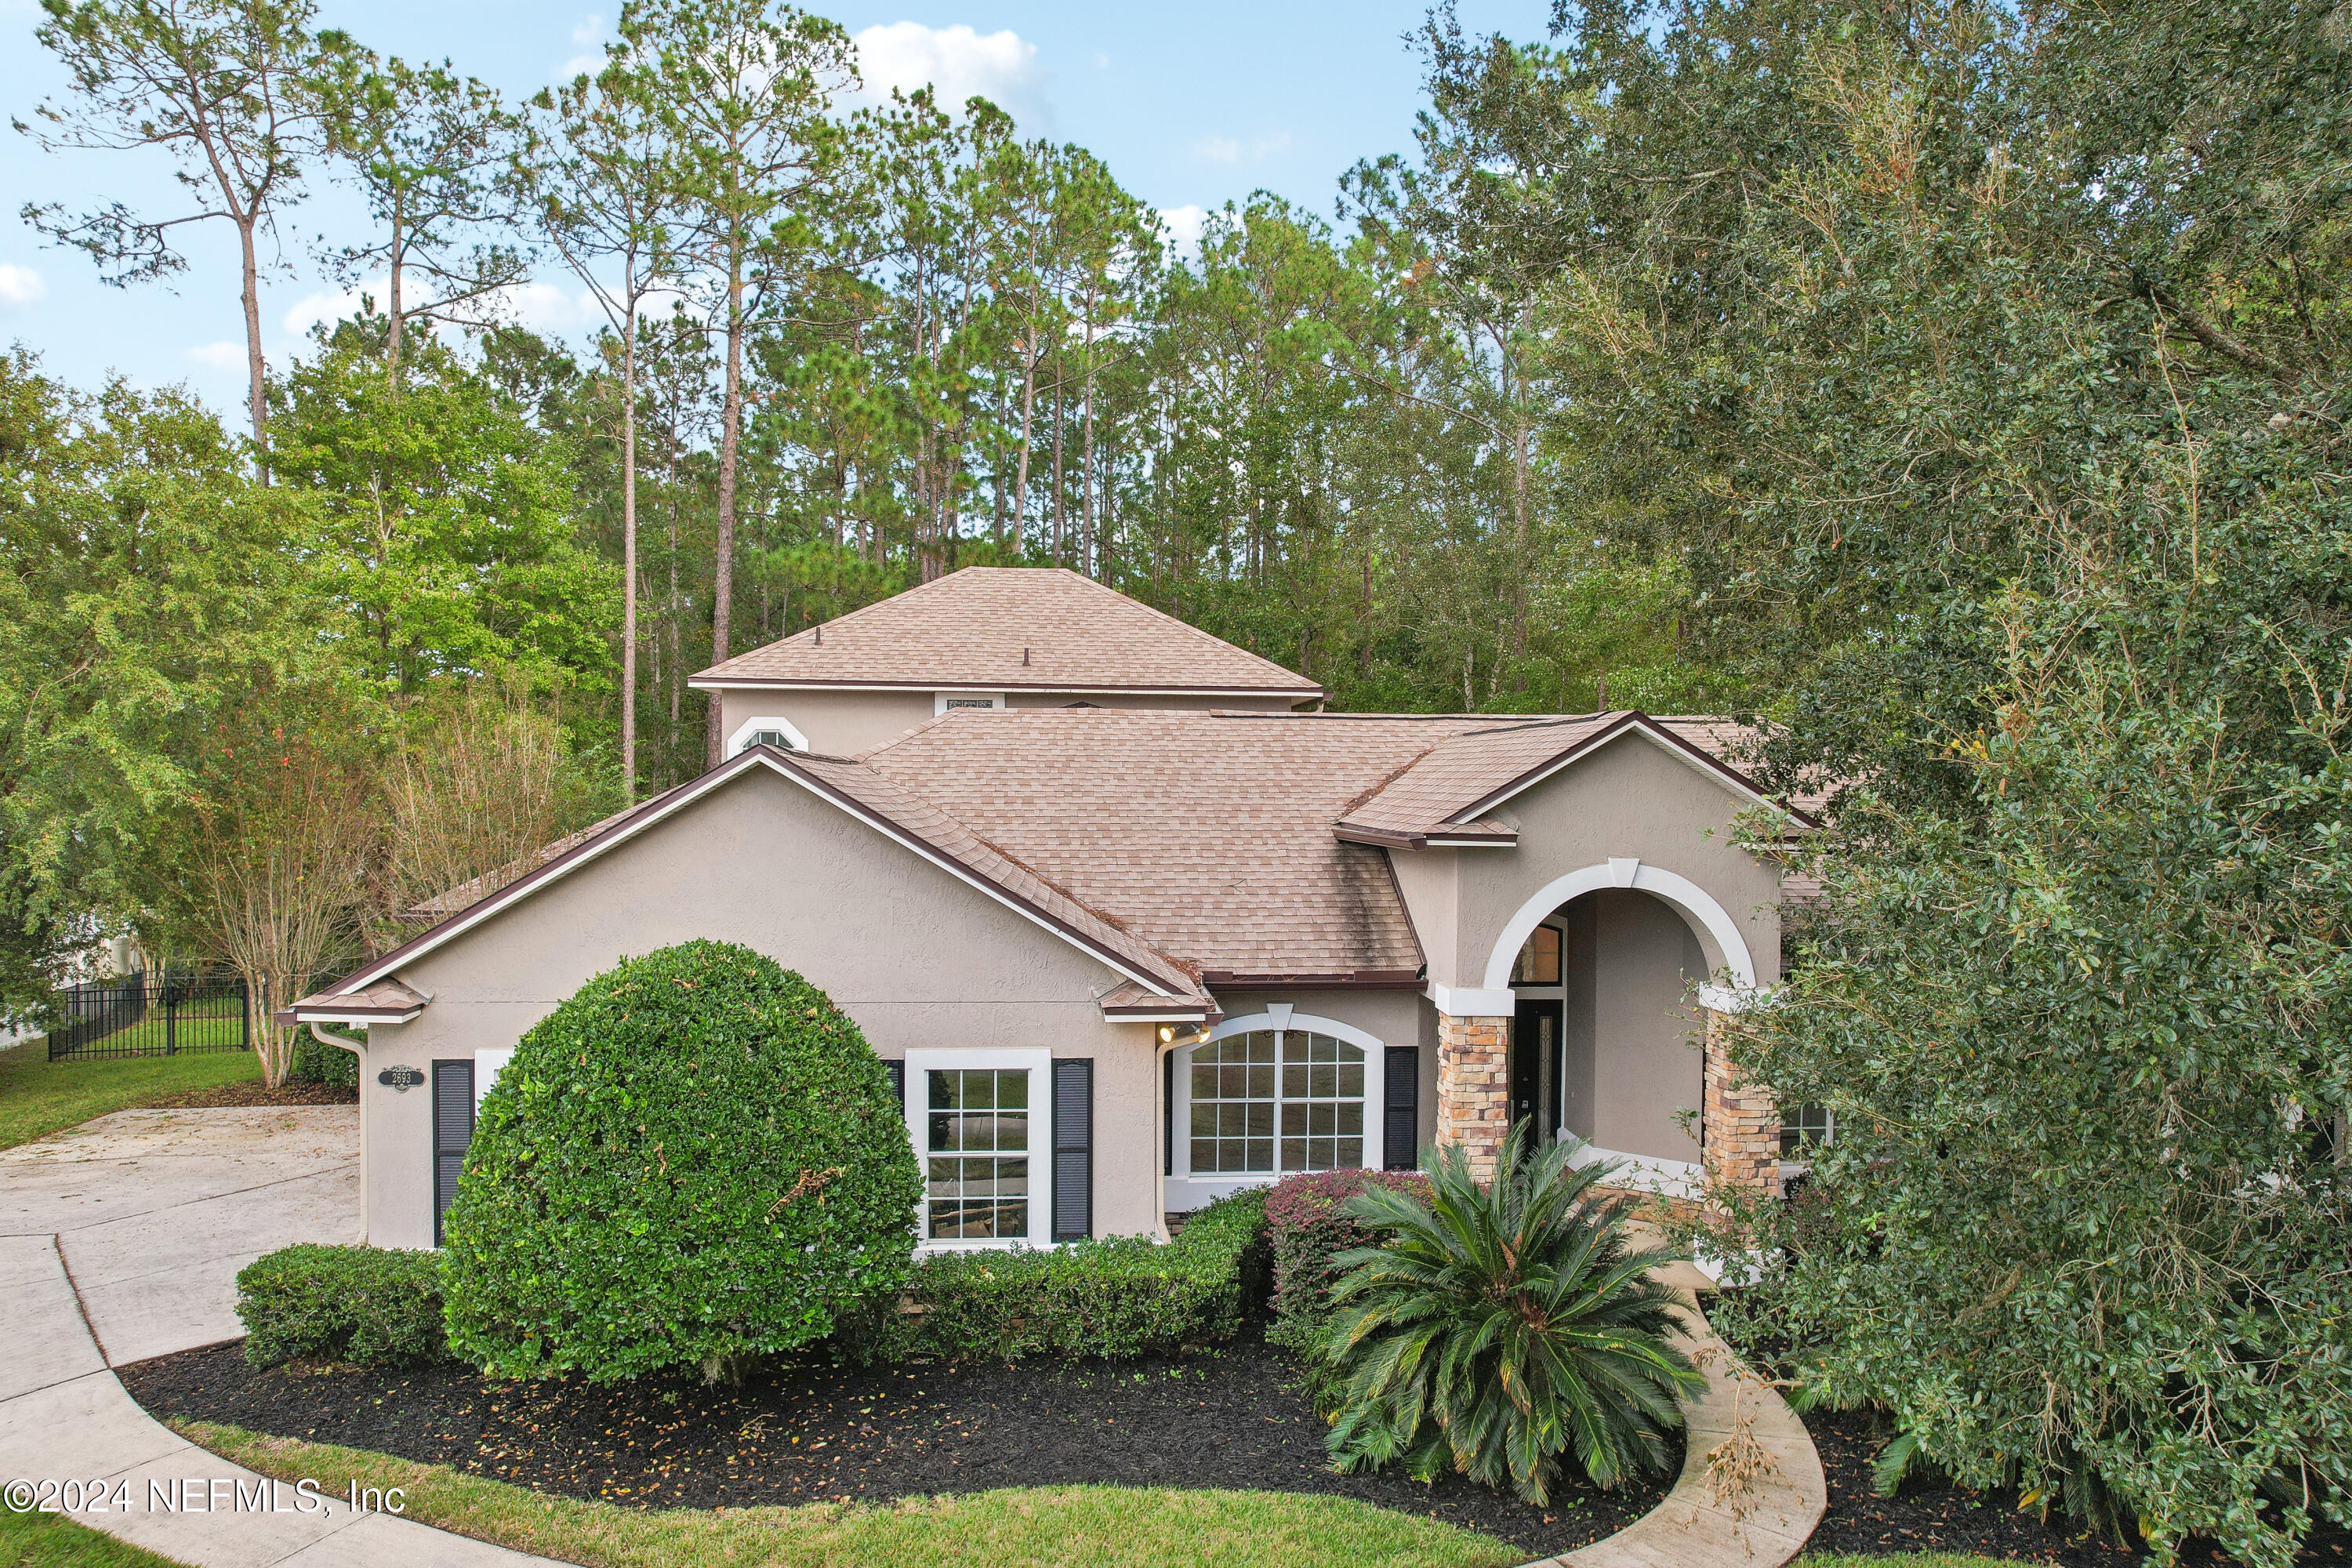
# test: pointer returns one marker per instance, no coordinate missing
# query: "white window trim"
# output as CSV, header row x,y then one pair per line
x,y
1187,1191
965,699
742,738
488,1064
1802,1163
1040,1067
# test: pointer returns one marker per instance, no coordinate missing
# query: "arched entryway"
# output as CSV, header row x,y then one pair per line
x,y
1606,1040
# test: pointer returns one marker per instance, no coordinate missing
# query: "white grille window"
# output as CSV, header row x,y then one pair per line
x,y
1233,1104
1801,1127
1322,1103
1245,1087
976,1150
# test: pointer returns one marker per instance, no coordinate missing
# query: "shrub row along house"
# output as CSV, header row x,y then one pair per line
x,y
1138,923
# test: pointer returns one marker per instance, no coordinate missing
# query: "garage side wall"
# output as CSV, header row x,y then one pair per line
x,y
916,957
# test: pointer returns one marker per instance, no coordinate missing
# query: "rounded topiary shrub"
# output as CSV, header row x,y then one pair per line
x,y
697,1160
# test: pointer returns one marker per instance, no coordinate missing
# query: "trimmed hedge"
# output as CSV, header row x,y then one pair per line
x,y
1122,1296
695,1160
356,1304
1304,1226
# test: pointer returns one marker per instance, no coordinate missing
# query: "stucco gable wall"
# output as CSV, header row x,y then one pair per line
x,y
916,957
1630,799
837,723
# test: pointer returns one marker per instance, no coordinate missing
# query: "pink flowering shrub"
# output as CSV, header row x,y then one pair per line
x,y
1304,1227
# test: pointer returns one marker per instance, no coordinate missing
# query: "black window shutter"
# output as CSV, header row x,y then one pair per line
x,y
1073,1143
1168,1113
453,1130
898,1072
1401,1109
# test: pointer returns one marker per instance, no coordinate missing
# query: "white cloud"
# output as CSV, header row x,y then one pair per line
x,y
220,356
329,305
959,63
20,288
588,38
542,306
547,308
1227,150
1183,227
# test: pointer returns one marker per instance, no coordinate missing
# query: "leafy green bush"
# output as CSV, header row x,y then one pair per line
x,y
316,1063
695,1161
1499,1327
1118,1297
1307,1224
2081,1230
357,1304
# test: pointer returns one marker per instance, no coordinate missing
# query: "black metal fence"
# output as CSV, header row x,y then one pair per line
x,y
151,1015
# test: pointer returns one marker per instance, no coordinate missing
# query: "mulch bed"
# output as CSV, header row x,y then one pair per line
x,y
1931,1515
252,1094
813,1432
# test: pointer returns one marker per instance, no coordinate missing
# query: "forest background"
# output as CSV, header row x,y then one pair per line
x,y
1955,389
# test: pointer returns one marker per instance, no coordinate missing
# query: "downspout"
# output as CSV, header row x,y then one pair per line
x,y
1164,1123
359,1051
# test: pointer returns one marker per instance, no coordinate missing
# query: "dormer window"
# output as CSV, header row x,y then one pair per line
x,y
766,730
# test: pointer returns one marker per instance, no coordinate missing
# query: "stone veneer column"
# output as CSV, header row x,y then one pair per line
x,y
1474,1087
1739,1128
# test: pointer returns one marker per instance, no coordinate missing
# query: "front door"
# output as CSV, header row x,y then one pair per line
x,y
1535,1068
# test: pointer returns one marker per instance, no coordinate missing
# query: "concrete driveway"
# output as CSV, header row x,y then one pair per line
x,y
155,1211
120,1240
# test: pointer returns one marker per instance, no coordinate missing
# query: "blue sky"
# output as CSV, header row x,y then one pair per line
x,y
1192,106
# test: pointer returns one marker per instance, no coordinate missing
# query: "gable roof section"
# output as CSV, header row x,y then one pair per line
x,y
1210,834
850,786
1445,796
1007,628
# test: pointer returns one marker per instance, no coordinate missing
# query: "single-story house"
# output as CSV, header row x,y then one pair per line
x,y
1126,890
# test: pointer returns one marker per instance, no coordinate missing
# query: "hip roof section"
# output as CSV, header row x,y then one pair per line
x,y
1210,835
1008,629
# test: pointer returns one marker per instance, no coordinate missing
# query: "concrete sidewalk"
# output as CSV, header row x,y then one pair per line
x,y
120,1240
1762,1525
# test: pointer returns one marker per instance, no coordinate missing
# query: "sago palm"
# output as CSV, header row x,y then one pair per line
x,y
1499,1327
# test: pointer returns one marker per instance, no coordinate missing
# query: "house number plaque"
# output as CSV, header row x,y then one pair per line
x,y
400,1079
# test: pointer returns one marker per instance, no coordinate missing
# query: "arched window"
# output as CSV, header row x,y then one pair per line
x,y
1275,1101
767,730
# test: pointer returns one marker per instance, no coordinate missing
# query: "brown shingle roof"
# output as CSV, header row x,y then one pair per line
x,y
1455,774
1210,835
1012,629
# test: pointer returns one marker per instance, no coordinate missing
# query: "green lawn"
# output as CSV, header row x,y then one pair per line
x,y
38,1096
1044,1527
52,1541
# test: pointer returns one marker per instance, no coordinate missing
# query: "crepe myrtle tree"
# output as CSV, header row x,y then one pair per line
x,y
695,1161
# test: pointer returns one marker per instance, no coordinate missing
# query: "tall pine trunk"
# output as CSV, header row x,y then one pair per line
x,y
730,425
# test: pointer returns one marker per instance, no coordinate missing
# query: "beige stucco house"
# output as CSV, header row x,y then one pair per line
x,y
1138,926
